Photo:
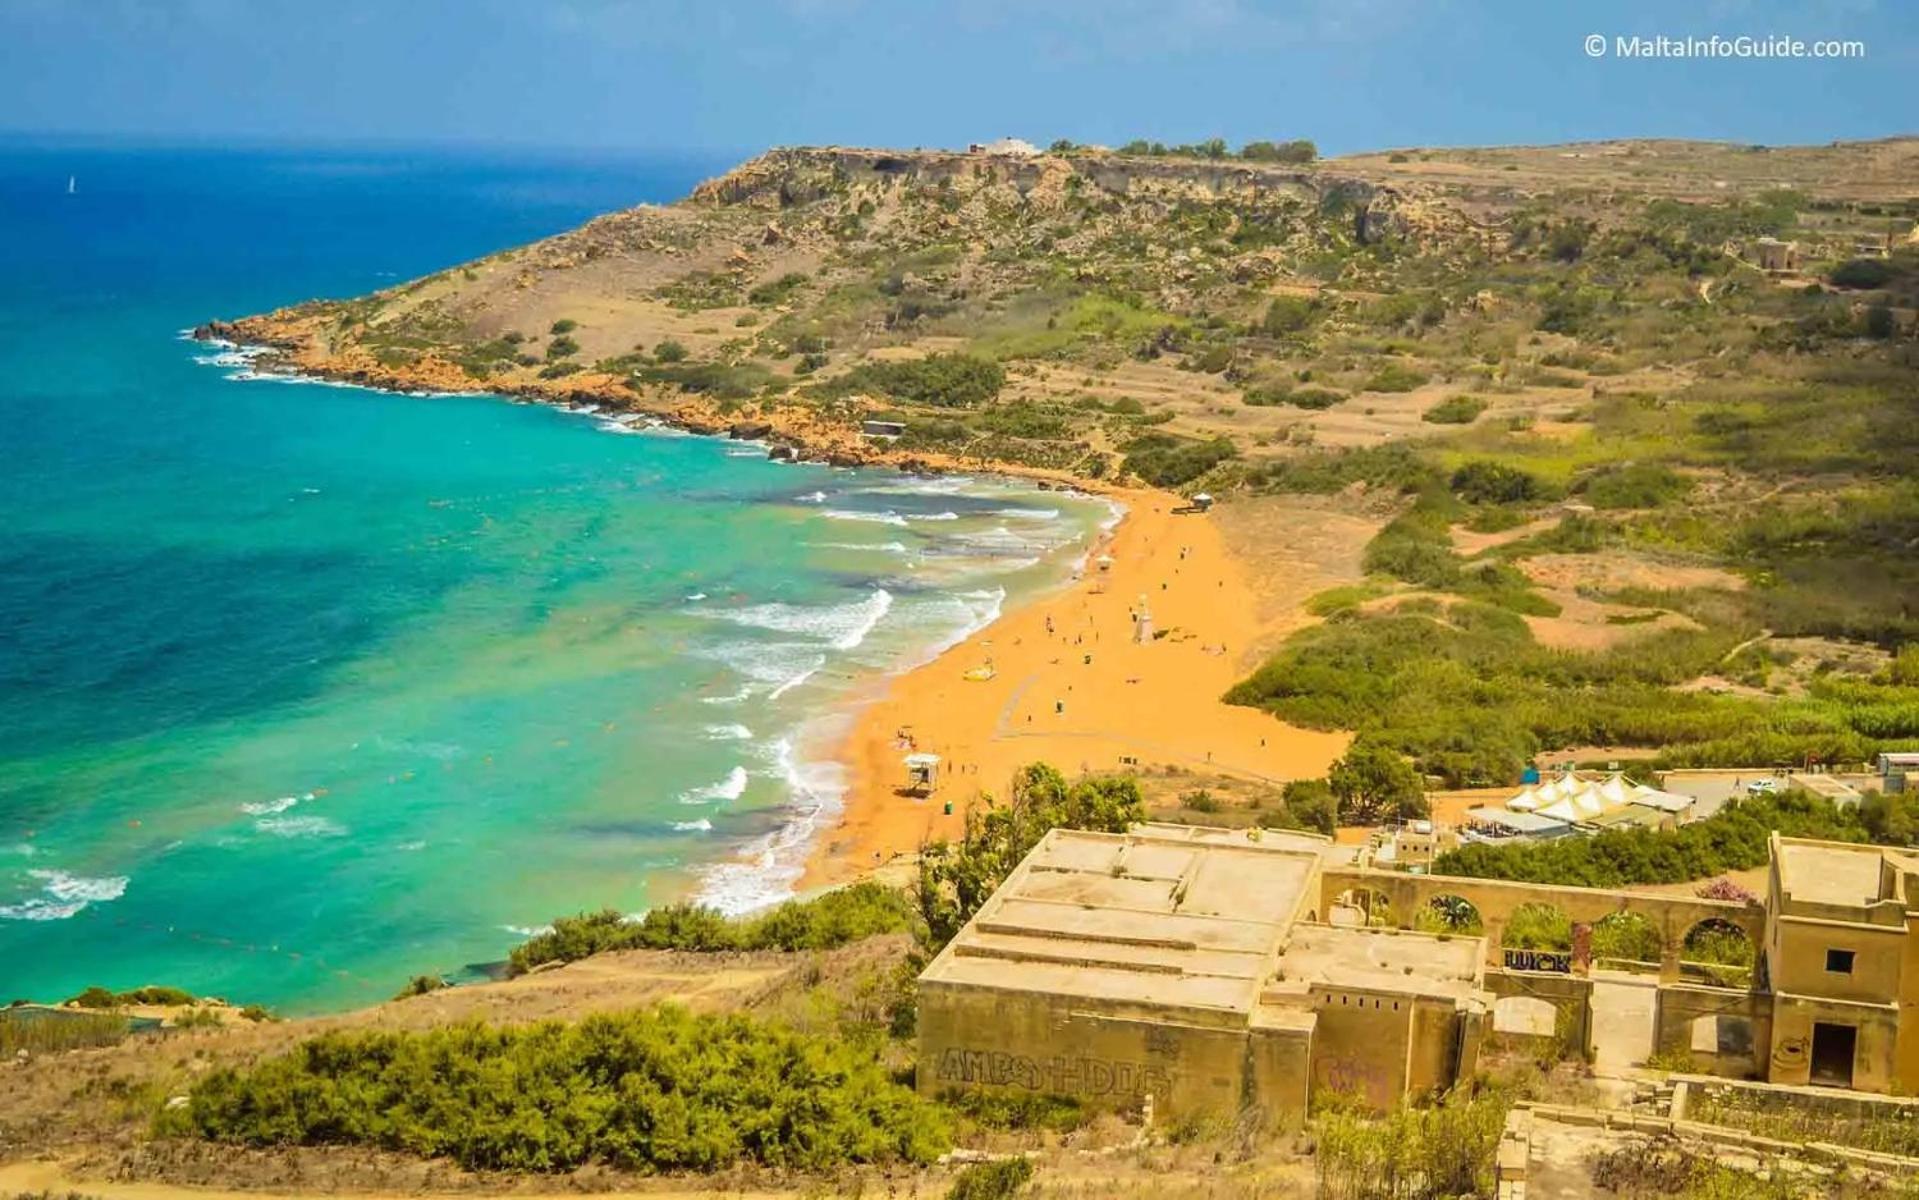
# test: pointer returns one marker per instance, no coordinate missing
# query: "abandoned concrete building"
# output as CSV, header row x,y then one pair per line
x,y
1191,964
1227,971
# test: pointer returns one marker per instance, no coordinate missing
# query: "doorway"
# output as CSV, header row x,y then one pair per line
x,y
1832,1050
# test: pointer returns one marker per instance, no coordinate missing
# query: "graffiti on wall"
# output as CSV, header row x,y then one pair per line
x,y
1558,962
1061,1074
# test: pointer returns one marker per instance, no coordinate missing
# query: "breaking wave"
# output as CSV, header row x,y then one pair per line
x,y
64,895
730,788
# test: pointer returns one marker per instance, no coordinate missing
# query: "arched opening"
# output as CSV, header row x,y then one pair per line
x,y
1718,953
1361,908
1538,926
1525,1016
1626,941
1449,914
1722,1033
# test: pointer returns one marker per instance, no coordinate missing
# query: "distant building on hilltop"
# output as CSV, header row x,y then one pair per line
x,y
1015,147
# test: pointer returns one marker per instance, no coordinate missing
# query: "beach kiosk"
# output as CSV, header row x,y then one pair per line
x,y
922,773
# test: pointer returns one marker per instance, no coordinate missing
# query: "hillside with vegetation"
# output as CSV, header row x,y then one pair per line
x,y
1640,494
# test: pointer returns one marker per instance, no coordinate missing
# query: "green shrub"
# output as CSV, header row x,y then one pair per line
x,y
940,380
1393,377
1289,314
991,1180
1733,839
669,351
957,877
420,985
1454,410
563,325
1861,273
1004,1110
1634,485
1394,465
561,347
1312,804
776,291
662,1089
831,919
1270,395
1415,1152
99,997
1164,460
1486,482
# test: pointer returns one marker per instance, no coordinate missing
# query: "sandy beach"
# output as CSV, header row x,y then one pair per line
x,y
1072,685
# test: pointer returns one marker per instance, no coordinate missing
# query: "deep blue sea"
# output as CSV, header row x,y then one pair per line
x,y
307,689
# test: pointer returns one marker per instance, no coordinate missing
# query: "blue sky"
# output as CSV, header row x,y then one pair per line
x,y
737,76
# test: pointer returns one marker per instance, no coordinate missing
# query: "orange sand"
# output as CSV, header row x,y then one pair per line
x,y
1133,705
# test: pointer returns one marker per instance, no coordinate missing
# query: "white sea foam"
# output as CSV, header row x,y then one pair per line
x,y
745,453
299,827
728,733
768,868
842,626
696,597
789,684
24,849
730,788
63,895
269,808
875,547
938,485
878,518
812,498
733,697
949,515
527,931
1031,514
700,826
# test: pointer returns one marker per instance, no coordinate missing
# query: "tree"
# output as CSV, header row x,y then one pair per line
x,y
1891,818
1299,150
1375,782
957,877
1312,804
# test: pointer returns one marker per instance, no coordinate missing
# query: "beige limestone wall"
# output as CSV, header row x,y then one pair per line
x,y
980,1038
1798,964
1362,1044
1792,1038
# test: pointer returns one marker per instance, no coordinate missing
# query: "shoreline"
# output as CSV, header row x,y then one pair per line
x,y
1072,687
283,343
815,810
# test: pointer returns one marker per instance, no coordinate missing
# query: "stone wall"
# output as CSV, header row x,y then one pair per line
x,y
1109,1056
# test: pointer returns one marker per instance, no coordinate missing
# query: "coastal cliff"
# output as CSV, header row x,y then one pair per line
x,y
1082,315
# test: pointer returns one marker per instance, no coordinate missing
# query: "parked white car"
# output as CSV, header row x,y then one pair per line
x,y
1763,787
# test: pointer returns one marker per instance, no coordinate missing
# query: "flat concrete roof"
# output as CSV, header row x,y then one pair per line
x,y
1386,960
1170,916
1830,873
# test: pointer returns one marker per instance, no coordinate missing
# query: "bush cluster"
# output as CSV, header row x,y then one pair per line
x,y
831,919
957,877
939,380
663,1089
1165,460
1468,693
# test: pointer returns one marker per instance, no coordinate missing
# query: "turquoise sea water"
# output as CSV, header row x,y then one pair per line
x,y
305,689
